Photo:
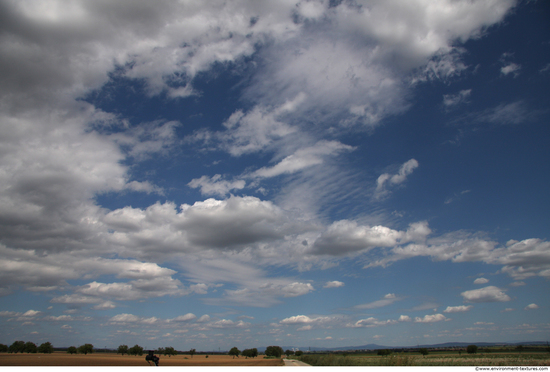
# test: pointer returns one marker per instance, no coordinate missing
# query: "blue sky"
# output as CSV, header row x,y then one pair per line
x,y
301,173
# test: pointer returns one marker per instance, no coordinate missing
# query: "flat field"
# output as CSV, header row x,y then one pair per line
x,y
433,359
111,359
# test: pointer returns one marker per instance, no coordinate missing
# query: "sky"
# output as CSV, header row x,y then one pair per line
x,y
252,173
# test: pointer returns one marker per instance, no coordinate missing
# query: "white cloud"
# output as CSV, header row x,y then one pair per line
x,y
387,300
404,318
31,313
134,290
59,154
106,305
255,130
510,68
386,181
453,100
204,318
344,237
431,318
9,313
513,113
303,158
300,319
531,307
184,318
373,322
296,289
481,281
216,185
486,294
333,284
225,323
457,309
63,318
125,318
521,259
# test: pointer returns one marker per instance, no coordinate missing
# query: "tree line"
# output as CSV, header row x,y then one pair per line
x,y
27,347
138,350
47,348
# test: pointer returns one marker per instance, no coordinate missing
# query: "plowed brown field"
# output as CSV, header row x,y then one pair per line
x,y
107,359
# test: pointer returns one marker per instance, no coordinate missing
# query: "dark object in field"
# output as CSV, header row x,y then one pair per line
x,y
152,358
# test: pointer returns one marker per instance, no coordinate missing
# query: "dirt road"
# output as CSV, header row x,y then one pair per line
x,y
295,363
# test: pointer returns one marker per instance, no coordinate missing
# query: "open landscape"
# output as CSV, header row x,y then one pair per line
x,y
112,359
433,359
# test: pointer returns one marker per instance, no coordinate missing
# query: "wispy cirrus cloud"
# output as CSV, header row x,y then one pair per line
x,y
387,300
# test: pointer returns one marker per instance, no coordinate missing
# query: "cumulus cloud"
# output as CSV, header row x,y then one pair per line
x,y
431,318
510,68
481,281
300,319
486,294
184,318
520,259
531,307
215,185
307,323
333,284
345,237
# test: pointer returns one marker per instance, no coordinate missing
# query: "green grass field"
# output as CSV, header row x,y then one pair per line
x,y
432,359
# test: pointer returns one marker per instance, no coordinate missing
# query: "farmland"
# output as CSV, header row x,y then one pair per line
x,y
112,359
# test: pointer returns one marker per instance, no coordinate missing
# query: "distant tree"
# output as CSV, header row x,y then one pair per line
x,y
383,352
250,353
289,352
122,349
45,348
85,349
135,350
235,352
17,347
298,353
192,352
169,350
4,348
471,349
274,351
72,350
519,348
160,351
423,351
30,347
